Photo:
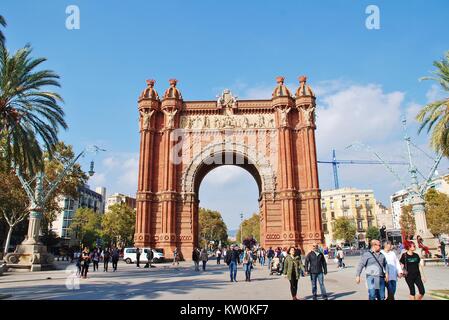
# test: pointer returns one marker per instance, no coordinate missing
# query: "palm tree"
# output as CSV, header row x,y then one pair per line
x,y
435,115
2,37
30,115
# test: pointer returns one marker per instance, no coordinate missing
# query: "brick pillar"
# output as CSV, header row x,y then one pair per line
x,y
148,107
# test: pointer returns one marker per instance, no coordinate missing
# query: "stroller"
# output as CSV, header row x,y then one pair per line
x,y
275,267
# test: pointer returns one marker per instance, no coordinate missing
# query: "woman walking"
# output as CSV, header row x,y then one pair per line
x,y
248,260
293,267
106,257
95,259
204,258
115,257
85,260
413,271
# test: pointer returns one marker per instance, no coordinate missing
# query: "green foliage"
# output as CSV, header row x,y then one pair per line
x,y
373,233
435,115
211,227
2,36
29,111
118,225
437,212
251,228
344,228
86,226
407,221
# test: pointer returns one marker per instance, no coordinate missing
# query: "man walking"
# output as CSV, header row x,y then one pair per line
x,y
376,270
218,255
115,257
270,256
150,256
232,259
196,258
138,257
316,266
443,251
394,269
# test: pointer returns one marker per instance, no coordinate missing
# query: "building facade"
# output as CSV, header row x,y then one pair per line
x,y
357,205
120,198
384,216
87,199
181,141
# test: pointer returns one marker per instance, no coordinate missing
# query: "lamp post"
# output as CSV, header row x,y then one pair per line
x,y
241,228
31,252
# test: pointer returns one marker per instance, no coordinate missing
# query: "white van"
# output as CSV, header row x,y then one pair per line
x,y
129,255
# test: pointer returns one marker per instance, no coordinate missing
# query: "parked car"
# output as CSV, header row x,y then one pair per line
x,y
129,255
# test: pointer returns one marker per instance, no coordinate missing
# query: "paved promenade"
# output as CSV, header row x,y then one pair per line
x,y
168,282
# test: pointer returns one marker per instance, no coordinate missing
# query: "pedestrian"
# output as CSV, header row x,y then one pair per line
x,y
138,253
232,260
270,256
292,269
326,253
443,251
413,271
85,260
248,260
340,255
262,255
394,269
204,257
78,263
175,257
114,258
316,266
150,256
376,270
95,259
218,255
196,258
106,258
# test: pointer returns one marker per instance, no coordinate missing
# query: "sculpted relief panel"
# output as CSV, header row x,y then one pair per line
x,y
261,121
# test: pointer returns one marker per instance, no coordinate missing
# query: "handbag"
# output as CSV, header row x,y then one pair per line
x,y
405,271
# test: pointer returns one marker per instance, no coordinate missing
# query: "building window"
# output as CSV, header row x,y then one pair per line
x,y
360,225
369,223
332,205
325,227
333,215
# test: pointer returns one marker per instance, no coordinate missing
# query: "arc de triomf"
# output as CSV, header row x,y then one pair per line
x,y
181,141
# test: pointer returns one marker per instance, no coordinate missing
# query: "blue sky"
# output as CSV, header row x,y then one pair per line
x,y
365,79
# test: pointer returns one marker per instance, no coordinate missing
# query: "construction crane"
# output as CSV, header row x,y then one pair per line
x,y
336,162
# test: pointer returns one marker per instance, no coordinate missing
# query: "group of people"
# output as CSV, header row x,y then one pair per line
x,y
383,268
85,257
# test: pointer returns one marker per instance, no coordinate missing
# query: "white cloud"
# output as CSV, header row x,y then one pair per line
x,y
435,93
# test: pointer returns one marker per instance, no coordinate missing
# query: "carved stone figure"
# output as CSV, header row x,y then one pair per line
x,y
284,113
146,116
170,117
309,115
261,121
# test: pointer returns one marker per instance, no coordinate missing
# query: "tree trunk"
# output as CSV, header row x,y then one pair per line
x,y
8,239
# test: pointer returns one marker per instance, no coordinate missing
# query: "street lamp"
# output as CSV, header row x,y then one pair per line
x,y
31,246
241,228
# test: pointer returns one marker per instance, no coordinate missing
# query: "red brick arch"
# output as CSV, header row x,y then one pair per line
x,y
181,141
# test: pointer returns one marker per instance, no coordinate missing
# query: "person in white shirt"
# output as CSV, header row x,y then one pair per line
x,y
394,269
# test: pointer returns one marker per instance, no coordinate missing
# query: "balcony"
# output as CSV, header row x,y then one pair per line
x,y
344,206
358,205
368,206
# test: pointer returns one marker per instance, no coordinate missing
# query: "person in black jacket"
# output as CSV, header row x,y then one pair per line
x,y
317,267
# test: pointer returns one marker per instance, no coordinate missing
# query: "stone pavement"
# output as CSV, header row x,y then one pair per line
x,y
168,282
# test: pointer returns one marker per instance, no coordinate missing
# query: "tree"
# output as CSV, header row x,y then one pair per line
x,y
407,221
344,228
437,212
2,36
29,111
86,226
372,233
250,227
211,227
54,164
118,225
435,115
13,203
